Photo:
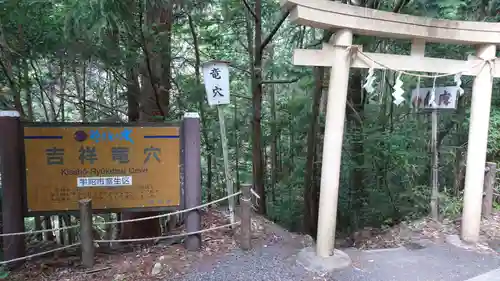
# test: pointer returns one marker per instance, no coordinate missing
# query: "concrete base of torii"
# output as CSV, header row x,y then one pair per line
x,y
308,258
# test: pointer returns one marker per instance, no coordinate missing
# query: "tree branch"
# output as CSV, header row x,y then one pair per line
x,y
280,81
42,90
399,5
314,44
95,103
250,9
241,96
273,31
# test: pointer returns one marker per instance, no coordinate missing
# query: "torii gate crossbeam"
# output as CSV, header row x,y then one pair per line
x,y
338,55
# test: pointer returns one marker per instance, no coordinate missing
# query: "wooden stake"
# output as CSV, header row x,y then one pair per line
x,y
11,170
191,157
38,226
246,219
489,187
86,232
435,167
229,180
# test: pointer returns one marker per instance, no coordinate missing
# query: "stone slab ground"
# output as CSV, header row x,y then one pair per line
x,y
432,263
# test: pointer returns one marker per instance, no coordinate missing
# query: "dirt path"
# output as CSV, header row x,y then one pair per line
x,y
273,258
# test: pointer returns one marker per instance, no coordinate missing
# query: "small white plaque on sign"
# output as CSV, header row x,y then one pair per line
x,y
216,78
444,97
9,113
104,181
191,115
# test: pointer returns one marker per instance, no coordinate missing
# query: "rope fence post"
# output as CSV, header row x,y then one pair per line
x,y
489,187
246,219
85,206
191,155
12,172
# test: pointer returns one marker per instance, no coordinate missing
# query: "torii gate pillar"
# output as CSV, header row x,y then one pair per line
x,y
477,145
332,149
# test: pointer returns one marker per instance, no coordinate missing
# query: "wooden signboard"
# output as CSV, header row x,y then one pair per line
x,y
444,97
117,167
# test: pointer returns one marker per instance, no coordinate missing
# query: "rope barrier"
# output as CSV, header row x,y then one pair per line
x,y
254,193
173,213
125,221
38,231
166,237
40,254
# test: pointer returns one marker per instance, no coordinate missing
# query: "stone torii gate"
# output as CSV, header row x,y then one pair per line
x,y
340,55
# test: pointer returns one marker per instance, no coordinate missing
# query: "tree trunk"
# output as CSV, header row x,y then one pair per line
x,y
201,104
257,159
79,88
38,226
61,232
71,233
146,228
49,236
274,132
27,87
236,147
355,117
155,96
133,92
62,88
311,193
6,66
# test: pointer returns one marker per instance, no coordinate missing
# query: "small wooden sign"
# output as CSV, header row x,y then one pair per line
x,y
116,167
444,97
216,79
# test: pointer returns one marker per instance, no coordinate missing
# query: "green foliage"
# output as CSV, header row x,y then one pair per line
x,y
4,272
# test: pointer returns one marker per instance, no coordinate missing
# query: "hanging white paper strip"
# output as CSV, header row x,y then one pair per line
x,y
370,79
458,83
398,91
216,78
432,100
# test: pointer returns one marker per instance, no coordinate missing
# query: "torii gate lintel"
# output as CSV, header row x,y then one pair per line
x,y
414,62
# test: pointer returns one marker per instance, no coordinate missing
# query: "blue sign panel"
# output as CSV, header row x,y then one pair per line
x,y
100,135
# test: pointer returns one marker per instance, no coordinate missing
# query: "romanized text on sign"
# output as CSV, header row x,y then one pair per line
x,y
117,167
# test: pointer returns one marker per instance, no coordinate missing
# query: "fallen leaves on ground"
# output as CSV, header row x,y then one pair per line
x,y
429,229
140,262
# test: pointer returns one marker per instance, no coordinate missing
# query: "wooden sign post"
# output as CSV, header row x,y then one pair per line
x,y
216,77
435,99
11,182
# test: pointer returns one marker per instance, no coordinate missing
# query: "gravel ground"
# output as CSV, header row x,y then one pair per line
x,y
270,263
276,263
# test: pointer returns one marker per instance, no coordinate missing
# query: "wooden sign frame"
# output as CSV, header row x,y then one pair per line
x,y
178,125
